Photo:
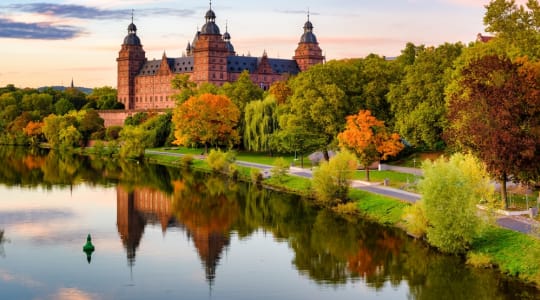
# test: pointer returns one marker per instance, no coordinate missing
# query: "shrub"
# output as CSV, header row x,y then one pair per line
x,y
332,179
280,169
479,260
346,209
112,132
99,148
186,160
415,220
450,191
233,171
256,176
219,161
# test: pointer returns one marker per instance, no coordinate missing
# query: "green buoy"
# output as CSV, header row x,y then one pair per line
x,y
88,248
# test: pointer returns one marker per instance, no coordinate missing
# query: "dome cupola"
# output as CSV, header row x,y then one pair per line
x,y
308,36
210,26
132,38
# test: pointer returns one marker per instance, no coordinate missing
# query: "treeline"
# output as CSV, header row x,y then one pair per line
x,y
25,112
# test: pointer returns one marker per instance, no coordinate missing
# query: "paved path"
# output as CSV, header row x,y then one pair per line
x,y
516,223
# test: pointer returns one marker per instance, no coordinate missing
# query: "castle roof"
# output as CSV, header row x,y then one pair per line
x,y
132,38
237,64
178,65
308,36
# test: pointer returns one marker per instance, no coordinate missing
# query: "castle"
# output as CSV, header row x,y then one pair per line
x,y
146,84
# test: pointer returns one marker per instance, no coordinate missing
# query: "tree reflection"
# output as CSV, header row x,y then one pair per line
x,y
327,249
2,241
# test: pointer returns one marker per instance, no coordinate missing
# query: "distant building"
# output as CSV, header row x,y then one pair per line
x,y
483,38
146,84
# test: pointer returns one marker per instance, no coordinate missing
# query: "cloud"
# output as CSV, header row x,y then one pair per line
x,y
7,276
89,12
43,30
63,13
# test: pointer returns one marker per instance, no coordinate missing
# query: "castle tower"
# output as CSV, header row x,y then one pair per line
x,y
210,53
130,60
227,39
308,52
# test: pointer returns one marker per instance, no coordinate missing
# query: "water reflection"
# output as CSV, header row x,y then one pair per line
x,y
3,239
212,212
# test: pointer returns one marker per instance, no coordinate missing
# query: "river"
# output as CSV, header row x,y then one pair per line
x,y
168,233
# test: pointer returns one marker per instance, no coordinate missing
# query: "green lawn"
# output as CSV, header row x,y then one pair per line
x,y
514,253
380,208
260,158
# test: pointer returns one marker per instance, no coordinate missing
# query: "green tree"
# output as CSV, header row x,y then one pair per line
x,y
517,27
89,122
261,121
331,181
450,191
418,101
63,106
104,98
133,142
69,137
322,97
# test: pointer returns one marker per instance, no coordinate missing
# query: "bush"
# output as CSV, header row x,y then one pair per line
x,y
186,160
256,176
450,191
346,209
332,179
280,169
233,171
479,260
415,220
112,132
219,161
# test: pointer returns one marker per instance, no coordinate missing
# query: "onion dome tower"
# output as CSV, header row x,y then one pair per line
x,y
308,52
130,60
210,53
227,39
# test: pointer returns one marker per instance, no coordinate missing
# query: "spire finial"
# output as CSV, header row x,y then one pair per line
x,y
210,4
226,25
308,14
132,13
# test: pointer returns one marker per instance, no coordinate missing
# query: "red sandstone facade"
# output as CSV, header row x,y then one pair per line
x,y
146,84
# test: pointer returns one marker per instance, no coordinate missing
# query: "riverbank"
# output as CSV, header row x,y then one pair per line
x,y
513,253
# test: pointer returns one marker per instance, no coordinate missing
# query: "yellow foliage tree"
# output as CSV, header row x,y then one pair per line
x,y
369,139
206,119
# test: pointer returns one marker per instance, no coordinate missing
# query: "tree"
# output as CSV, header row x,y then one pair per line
x,y
133,141
281,91
63,106
206,119
418,102
450,191
322,97
369,139
90,122
242,92
331,180
494,110
261,121
293,137
104,98
185,86
517,27
34,131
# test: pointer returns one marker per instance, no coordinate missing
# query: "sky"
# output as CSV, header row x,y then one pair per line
x,y
51,42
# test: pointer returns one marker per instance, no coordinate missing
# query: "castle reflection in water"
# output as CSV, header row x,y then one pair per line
x,y
143,206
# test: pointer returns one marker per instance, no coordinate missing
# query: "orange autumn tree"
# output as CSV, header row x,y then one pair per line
x,y
206,119
369,139
34,131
